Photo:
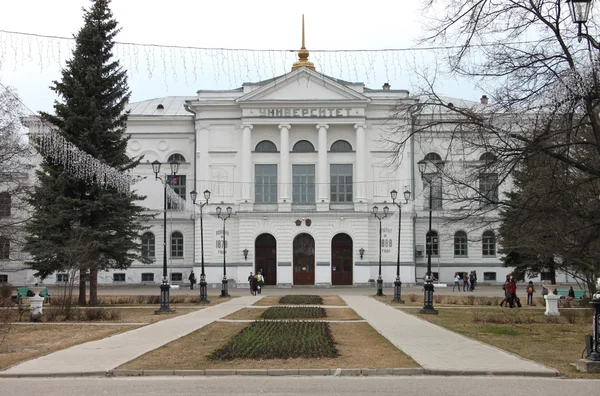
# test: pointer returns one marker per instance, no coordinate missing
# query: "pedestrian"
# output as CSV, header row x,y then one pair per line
x,y
250,281
472,281
530,291
506,294
261,281
456,282
192,279
465,281
512,290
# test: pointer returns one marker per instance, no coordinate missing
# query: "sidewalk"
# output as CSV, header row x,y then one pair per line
x,y
108,353
438,349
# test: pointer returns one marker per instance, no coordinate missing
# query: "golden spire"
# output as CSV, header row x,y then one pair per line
x,y
303,54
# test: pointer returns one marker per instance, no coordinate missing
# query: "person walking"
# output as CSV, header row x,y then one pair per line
x,y
512,290
465,281
472,281
192,279
250,282
506,294
530,291
456,282
260,280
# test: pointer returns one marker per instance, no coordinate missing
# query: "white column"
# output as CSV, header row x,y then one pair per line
x,y
322,159
360,161
246,162
284,162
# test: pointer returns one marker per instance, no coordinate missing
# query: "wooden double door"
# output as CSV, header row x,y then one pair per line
x,y
341,260
265,247
304,260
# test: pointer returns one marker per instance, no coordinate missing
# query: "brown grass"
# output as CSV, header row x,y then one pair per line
x,y
149,300
331,314
25,342
352,340
462,299
556,342
274,300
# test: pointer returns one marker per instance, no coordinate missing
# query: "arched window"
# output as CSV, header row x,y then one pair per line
x,y
266,146
341,146
460,243
433,157
303,146
148,245
488,190
434,243
487,157
4,248
176,157
488,243
176,244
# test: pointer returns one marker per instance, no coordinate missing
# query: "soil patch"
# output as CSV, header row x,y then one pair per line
x,y
330,314
274,300
351,340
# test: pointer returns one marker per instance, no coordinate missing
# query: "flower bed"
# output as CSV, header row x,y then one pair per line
x,y
293,313
279,340
301,299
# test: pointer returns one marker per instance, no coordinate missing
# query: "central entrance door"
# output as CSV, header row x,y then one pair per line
x,y
304,260
265,247
341,260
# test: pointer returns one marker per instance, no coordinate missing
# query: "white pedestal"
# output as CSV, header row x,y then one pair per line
x,y
36,306
552,305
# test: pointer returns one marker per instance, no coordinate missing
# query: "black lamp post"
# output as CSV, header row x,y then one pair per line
x,y
379,217
203,291
428,287
580,10
361,251
225,286
397,282
164,286
595,352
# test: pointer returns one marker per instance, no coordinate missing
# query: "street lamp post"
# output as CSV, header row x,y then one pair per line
x,y
164,286
397,282
428,287
379,217
579,10
225,286
203,291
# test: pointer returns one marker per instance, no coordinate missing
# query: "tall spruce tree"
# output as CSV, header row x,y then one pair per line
x,y
90,113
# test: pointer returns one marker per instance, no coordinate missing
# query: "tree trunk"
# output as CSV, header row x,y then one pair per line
x,y
82,288
94,286
552,276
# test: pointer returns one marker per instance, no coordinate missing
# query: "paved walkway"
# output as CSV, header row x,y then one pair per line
x,y
436,348
111,352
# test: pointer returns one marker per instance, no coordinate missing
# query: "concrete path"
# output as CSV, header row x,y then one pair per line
x,y
436,348
111,352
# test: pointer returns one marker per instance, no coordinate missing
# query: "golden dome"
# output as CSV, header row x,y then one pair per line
x,y
303,54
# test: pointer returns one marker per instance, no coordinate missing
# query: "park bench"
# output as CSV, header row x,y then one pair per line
x,y
564,295
24,293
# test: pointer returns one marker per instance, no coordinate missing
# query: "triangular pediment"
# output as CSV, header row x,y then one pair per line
x,y
303,85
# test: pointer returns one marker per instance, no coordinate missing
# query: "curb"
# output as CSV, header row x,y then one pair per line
x,y
365,372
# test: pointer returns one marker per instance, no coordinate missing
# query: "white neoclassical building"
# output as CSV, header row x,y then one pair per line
x,y
302,160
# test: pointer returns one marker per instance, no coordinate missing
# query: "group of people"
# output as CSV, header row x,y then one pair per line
x,y
510,293
468,281
256,282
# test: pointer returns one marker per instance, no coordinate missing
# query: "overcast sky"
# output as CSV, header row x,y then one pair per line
x,y
30,64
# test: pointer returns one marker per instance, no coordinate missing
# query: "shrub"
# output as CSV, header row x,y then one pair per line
x,y
301,299
279,340
293,313
437,298
412,297
470,300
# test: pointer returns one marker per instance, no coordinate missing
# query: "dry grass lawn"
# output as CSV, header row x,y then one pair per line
x,y
352,340
274,300
332,314
555,342
25,342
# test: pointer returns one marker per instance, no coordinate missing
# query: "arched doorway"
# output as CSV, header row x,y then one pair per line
x,y
341,260
304,260
265,258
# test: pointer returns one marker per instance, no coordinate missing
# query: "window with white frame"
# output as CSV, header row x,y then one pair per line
x,y
177,244
148,245
489,276
118,277
432,242
341,146
176,277
488,189
303,187
488,243
265,184
3,278
303,146
436,191
176,157
341,183
460,244
266,146
148,277
177,183
62,278
4,248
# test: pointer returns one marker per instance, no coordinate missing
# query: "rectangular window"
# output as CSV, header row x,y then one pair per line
x,y
488,188
489,276
546,276
176,277
62,278
435,275
265,178
436,191
5,204
118,277
177,183
303,188
3,278
148,277
341,183
4,249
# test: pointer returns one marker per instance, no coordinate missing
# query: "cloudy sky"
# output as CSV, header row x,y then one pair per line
x,y
30,63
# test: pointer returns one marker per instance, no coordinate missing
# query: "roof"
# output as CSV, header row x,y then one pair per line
x,y
171,106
